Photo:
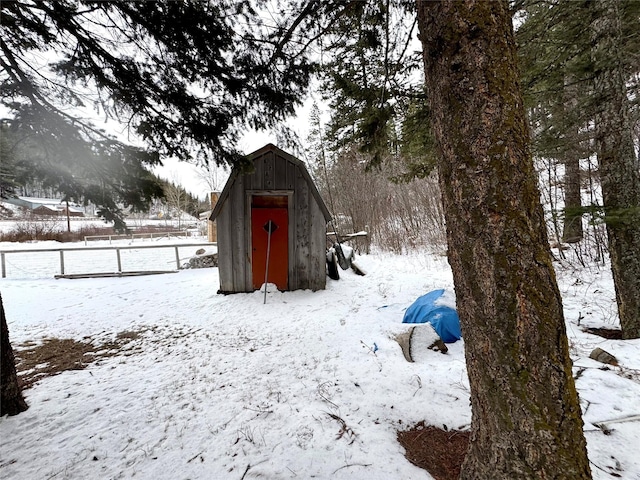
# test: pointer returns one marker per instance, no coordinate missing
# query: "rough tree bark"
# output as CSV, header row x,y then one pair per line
x,y
526,420
572,229
11,400
619,170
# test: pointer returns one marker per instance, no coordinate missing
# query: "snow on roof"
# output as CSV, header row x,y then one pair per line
x,y
53,208
42,201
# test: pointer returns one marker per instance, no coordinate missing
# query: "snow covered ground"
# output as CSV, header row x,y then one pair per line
x,y
59,224
310,385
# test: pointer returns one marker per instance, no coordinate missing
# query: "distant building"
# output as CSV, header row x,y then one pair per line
x,y
46,206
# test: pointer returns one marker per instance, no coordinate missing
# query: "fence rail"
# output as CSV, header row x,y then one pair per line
x,y
132,236
116,249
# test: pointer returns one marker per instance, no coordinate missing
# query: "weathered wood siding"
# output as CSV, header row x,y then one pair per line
x,y
273,173
317,259
225,252
234,268
302,247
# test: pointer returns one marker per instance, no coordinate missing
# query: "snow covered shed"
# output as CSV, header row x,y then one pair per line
x,y
271,219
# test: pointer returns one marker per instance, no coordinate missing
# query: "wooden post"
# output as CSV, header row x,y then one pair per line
x,y
212,227
177,258
68,219
367,239
61,262
119,261
270,230
4,268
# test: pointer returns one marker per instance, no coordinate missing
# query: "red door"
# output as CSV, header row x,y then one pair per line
x,y
270,217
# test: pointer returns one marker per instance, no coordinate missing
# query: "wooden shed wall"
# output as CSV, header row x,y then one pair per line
x,y
234,260
307,226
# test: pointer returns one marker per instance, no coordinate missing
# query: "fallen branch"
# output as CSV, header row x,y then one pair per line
x,y
194,457
352,465
630,418
344,428
246,470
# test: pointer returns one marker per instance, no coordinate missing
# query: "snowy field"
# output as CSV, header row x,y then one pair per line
x,y
37,265
310,385
77,224
25,261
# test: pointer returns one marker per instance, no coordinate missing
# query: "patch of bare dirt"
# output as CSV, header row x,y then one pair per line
x,y
35,361
438,451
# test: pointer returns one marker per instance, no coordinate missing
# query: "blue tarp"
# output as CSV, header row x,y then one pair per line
x,y
444,319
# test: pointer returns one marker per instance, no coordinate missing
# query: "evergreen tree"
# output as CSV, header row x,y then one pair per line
x,y
179,201
316,146
184,77
374,83
526,419
581,69
619,166
417,153
553,51
7,163
105,173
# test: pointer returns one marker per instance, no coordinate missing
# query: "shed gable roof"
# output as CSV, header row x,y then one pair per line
x,y
280,153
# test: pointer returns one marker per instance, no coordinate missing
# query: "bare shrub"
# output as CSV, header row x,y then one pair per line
x,y
5,213
35,229
50,229
397,216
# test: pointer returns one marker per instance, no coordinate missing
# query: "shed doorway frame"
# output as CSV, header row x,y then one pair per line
x,y
250,194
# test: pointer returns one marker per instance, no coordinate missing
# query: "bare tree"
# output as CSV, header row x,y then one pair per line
x,y
397,215
572,230
177,199
214,176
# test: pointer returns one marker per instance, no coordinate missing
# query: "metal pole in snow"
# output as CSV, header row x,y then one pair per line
x,y
68,220
266,270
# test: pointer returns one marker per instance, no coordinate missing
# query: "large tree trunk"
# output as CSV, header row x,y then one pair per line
x,y
619,173
526,421
572,230
11,399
